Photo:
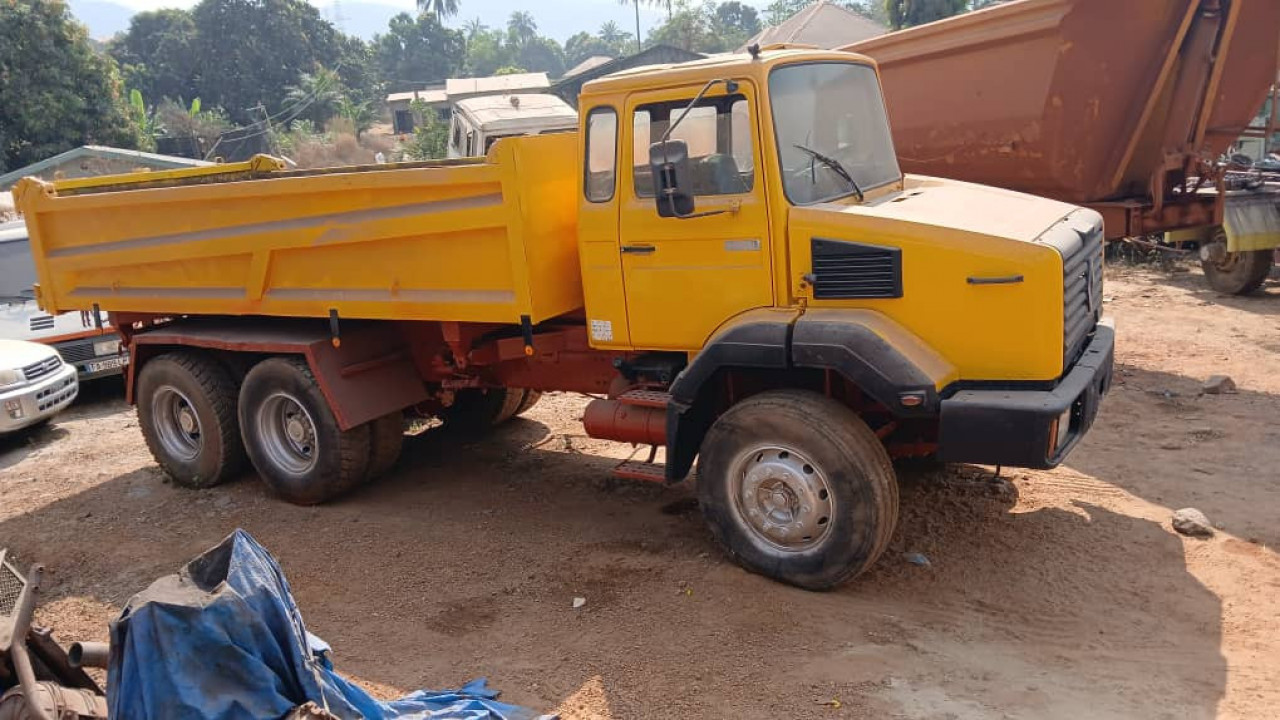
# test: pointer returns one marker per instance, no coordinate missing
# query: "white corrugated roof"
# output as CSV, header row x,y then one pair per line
x,y
494,108
496,84
430,97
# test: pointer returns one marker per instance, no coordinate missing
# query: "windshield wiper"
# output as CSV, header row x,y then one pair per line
x,y
835,166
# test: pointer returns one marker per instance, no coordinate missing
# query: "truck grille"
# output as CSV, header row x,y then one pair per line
x,y
853,270
75,353
35,371
1081,294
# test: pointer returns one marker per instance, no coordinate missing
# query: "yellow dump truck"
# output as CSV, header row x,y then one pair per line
x,y
725,253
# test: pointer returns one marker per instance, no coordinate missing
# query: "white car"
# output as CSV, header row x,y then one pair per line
x,y
35,384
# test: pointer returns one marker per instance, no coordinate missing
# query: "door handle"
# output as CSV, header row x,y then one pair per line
x,y
638,249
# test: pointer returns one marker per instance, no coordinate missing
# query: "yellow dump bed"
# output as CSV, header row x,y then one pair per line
x,y
481,240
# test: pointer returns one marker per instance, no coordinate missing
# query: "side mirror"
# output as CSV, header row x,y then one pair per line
x,y
672,185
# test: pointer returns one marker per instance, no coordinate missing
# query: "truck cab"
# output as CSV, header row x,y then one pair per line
x,y
749,211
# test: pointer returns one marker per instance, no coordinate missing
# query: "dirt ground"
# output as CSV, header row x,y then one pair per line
x,y
1060,594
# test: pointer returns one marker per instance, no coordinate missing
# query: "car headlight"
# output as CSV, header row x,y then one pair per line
x,y
11,377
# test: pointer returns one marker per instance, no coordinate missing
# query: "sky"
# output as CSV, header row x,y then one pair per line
x,y
558,19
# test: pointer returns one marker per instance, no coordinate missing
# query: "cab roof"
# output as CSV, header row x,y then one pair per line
x,y
729,65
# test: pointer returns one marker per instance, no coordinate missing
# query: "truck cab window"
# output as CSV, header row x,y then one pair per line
x,y
601,155
719,137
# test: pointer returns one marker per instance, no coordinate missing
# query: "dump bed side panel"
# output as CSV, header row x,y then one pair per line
x,y
443,242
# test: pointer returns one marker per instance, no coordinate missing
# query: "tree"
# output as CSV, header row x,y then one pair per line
x,y
474,27
317,94
418,50
541,54
582,46
56,93
612,35
734,23
249,51
521,29
909,13
688,28
486,52
155,54
442,9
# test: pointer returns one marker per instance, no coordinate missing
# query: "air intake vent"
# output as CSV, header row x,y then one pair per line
x,y
42,322
846,270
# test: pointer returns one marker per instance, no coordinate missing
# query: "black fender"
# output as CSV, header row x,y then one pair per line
x,y
865,347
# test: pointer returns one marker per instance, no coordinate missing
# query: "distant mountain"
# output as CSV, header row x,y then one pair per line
x,y
103,18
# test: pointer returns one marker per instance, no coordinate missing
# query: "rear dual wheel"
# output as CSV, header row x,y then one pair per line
x,y
187,412
476,410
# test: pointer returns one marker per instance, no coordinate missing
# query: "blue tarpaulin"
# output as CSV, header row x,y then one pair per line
x,y
224,640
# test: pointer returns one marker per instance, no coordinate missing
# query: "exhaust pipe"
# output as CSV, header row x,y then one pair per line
x,y
89,654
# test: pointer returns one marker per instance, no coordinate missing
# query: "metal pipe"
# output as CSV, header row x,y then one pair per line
x,y
89,654
18,649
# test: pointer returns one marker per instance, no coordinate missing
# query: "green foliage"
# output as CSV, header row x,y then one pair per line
x,y
909,13
316,95
146,125
418,50
249,51
155,53
180,120
56,92
441,9
430,137
361,115
708,28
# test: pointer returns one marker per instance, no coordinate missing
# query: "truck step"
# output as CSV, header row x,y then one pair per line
x,y
636,470
645,398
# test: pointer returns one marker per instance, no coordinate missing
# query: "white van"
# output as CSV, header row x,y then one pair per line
x,y
85,340
480,121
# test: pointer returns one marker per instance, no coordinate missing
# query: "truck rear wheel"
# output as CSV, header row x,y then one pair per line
x,y
1234,273
187,411
796,487
293,438
476,410
386,440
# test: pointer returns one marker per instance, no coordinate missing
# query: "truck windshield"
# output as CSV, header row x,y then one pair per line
x,y
829,120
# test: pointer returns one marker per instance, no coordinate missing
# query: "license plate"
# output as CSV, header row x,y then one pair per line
x,y
108,364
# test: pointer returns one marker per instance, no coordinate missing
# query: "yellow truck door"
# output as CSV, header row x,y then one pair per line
x,y
683,277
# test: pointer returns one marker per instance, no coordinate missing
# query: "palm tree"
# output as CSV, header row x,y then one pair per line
x,y
637,4
442,9
610,34
521,28
474,27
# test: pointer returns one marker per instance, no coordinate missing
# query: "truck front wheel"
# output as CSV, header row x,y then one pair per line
x,y
293,438
187,412
796,487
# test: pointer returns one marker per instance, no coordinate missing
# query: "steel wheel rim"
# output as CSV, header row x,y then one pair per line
x,y
176,423
782,497
288,433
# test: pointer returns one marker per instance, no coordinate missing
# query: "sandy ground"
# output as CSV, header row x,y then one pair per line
x,y
1059,594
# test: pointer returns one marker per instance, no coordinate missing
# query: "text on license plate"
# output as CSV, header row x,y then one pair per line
x,y
108,364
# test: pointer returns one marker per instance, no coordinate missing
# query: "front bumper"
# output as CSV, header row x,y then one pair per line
x,y
1016,428
82,353
29,404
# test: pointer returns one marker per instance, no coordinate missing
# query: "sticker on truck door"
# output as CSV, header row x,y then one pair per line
x,y
602,330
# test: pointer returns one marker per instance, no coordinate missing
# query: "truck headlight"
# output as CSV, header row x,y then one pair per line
x,y
11,377
106,347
